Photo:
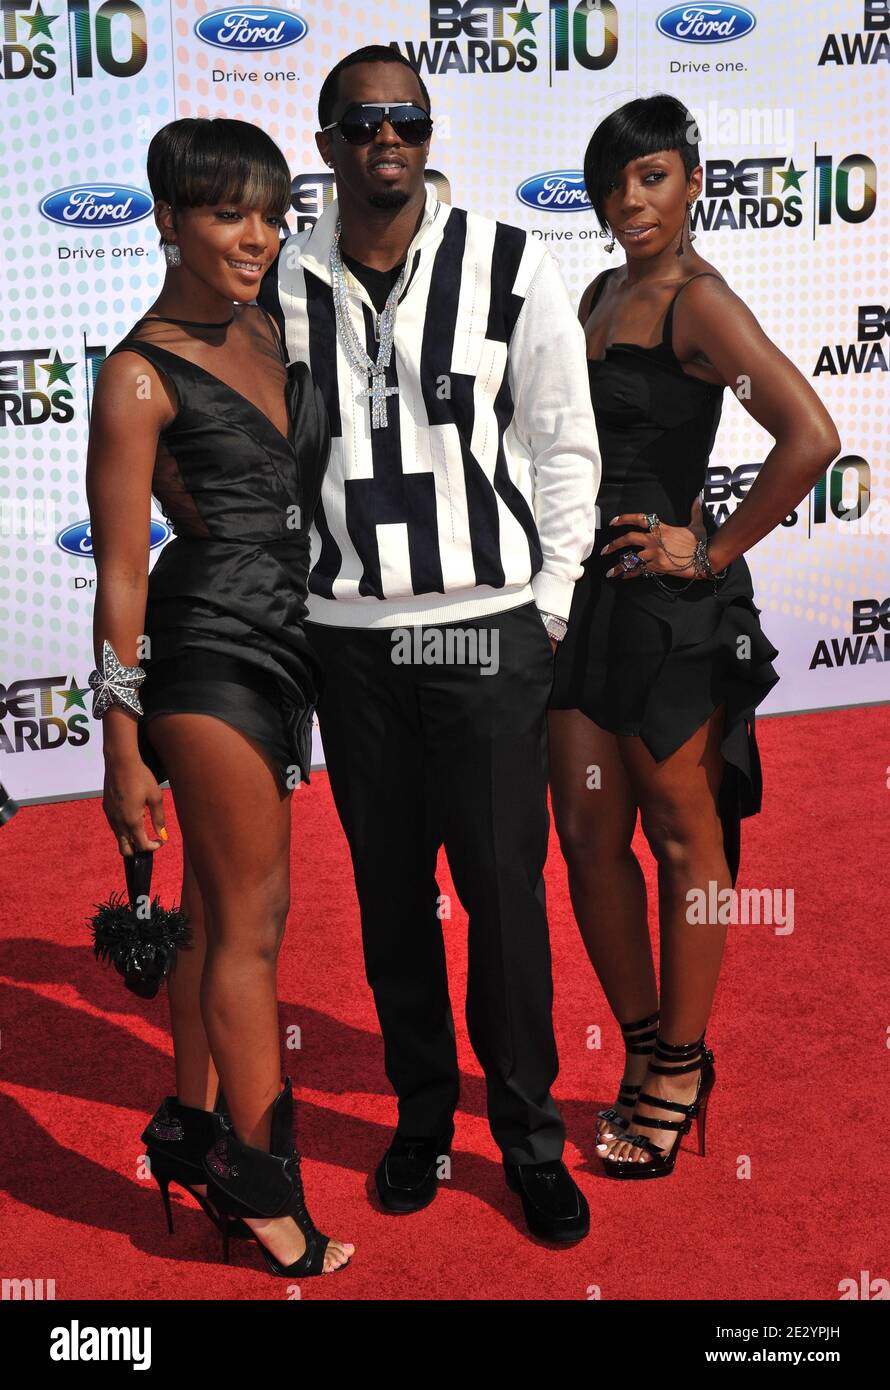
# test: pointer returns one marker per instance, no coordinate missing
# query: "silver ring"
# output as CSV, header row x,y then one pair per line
x,y
631,560
652,520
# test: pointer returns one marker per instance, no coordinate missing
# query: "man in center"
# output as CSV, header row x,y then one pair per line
x,y
459,500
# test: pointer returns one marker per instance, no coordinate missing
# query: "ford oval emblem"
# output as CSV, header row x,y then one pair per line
x,y
96,205
77,540
559,190
705,23
251,29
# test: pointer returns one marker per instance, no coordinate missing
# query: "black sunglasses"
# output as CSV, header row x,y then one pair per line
x,y
360,123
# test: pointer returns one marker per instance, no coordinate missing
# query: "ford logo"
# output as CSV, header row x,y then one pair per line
x,y
96,205
77,539
251,29
705,23
559,190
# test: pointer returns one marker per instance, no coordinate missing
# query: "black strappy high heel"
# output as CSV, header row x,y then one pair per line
x,y
672,1059
176,1139
640,1044
246,1181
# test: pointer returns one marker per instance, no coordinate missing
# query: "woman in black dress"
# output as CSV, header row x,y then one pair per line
x,y
664,660
198,406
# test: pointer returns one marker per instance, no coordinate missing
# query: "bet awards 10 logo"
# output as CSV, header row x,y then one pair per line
x,y
40,713
842,493
767,191
35,387
488,36
867,354
870,46
869,639
32,40
36,384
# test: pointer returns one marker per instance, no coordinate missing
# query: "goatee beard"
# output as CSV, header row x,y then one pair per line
x,y
392,198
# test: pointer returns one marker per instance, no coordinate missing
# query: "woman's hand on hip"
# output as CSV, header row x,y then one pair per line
x,y
662,550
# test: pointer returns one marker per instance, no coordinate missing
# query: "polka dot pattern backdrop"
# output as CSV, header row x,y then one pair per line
x,y
516,93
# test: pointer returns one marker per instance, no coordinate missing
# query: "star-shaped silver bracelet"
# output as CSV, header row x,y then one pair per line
x,y
115,683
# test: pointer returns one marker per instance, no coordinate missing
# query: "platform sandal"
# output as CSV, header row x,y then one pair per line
x,y
671,1059
640,1044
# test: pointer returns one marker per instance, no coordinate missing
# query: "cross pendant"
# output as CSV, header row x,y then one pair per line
x,y
378,392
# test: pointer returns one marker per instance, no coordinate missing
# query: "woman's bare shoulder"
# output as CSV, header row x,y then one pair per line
x,y
590,291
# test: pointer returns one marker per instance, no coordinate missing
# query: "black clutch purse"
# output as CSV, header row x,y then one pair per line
x,y
136,934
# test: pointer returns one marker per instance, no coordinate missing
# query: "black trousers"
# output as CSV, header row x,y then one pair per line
x,y
422,753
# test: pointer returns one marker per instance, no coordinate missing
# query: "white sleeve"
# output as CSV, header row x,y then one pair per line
x,y
554,418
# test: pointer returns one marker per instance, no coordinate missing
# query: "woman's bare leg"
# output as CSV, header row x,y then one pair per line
x,y
197,1082
235,825
678,805
595,825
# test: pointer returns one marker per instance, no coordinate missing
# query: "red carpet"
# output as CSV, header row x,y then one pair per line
x,y
799,1033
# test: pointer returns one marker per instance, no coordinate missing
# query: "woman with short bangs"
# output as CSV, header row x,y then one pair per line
x,y
198,406
664,660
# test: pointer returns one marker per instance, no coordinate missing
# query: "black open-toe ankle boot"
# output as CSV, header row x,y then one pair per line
x,y
246,1181
176,1139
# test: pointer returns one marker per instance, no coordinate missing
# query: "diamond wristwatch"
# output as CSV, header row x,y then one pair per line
x,y
556,626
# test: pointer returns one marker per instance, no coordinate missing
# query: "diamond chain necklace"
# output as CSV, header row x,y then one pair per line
x,y
358,358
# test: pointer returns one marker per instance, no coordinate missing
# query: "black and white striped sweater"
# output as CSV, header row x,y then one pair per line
x,y
479,494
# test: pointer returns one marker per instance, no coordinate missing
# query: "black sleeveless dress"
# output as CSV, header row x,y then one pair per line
x,y
636,659
226,598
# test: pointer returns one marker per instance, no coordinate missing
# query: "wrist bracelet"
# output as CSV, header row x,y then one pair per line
x,y
115,684
702,561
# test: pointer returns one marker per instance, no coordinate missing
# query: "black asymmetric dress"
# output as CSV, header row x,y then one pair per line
x,y
226,598
638,660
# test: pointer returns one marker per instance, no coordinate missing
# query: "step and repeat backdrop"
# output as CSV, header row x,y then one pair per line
x,y
791,104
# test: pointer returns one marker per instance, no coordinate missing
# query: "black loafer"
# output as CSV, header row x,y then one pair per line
x,y
406,1176
555,1207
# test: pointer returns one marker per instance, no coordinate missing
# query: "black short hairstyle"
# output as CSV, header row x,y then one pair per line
x,y
643,126
371,53
196,162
